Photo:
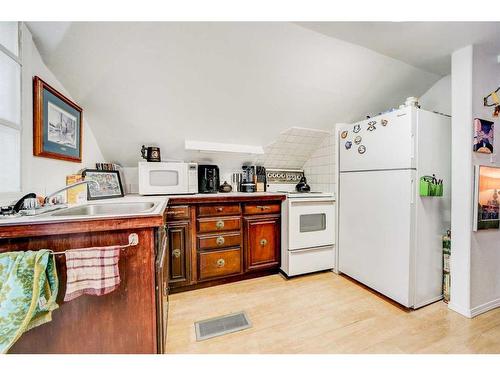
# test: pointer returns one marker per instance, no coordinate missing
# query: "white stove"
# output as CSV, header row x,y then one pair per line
x,y
307,227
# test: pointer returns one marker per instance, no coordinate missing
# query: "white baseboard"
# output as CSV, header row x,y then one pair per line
x,y
475,311
459,309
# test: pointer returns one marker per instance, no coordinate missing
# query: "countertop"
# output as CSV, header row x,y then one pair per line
x,y
160,201
160,205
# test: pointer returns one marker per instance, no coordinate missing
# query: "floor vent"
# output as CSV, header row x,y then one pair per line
x,y
222,325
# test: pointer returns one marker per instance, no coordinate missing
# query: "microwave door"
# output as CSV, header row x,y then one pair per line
x,y
168,179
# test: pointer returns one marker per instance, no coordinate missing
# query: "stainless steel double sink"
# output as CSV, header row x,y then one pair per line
x,y
107,209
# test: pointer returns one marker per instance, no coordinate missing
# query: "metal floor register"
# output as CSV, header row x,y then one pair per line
x,y
222,325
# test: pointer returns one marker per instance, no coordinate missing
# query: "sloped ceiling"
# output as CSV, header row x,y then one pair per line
x,y
243,83
426,45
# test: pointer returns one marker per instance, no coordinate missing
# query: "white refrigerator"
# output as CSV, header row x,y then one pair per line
x,y
389,237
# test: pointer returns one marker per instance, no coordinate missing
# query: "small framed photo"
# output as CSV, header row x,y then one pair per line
x,y
483,136
109,184
57,124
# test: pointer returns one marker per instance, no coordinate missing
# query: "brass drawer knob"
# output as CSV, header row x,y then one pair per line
x,y
219,224
263,208
219,209
221,262
220,240
176,253
263,242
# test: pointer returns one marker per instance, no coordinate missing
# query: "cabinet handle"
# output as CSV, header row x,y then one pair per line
x,y
219,224
176,253
263,242
219,209
221,262
220,240
263,208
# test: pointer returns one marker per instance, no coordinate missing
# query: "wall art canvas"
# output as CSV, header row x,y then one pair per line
x,y
483,136
57,124
487,204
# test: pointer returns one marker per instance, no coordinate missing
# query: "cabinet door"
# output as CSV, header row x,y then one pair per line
x,y
179,253
161,289
262,240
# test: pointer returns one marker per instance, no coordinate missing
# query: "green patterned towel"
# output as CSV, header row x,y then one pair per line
x,y
28,291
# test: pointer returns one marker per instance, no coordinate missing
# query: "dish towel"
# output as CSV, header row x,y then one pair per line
x,y
28,292
92,270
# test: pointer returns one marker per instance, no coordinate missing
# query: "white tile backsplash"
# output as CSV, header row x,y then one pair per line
x,y
292,148
319,168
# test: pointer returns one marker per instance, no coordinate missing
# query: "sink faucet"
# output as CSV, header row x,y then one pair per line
x,y
47,198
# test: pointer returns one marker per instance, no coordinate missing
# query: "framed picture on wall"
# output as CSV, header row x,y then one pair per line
x,y
483,136
487,204
57,124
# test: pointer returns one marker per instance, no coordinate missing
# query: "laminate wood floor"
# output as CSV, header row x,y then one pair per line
x,y
324,313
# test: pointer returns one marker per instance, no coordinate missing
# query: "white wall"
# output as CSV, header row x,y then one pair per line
x,y
475,260
438,97
485,250
43,175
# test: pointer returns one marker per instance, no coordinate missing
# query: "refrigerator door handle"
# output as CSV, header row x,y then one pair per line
x,y
412,155
412,191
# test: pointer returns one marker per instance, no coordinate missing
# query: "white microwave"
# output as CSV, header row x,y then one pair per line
x,y
168,178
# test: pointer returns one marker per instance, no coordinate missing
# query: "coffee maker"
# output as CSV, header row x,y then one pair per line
x,y
208,179
248,184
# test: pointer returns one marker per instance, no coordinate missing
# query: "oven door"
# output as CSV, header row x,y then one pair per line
x,y
163,178
311,223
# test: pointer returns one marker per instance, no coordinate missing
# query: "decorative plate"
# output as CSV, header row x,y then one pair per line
x,y
357,128
343,135
384,122
348,145
357,140
361,149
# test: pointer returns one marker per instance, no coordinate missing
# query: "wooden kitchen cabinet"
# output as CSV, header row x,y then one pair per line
x,y
179,250
262,242
128,320
224,239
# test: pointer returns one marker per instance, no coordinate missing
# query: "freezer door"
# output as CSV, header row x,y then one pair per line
x,y
382,142
375,220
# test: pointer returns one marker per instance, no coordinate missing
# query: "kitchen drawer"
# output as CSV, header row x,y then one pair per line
x,y
208,225
219,240
262,208
219,209
219,263
177,212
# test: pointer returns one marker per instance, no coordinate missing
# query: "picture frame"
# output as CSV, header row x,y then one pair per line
x,y
484,136
110,184
486,197
57,124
